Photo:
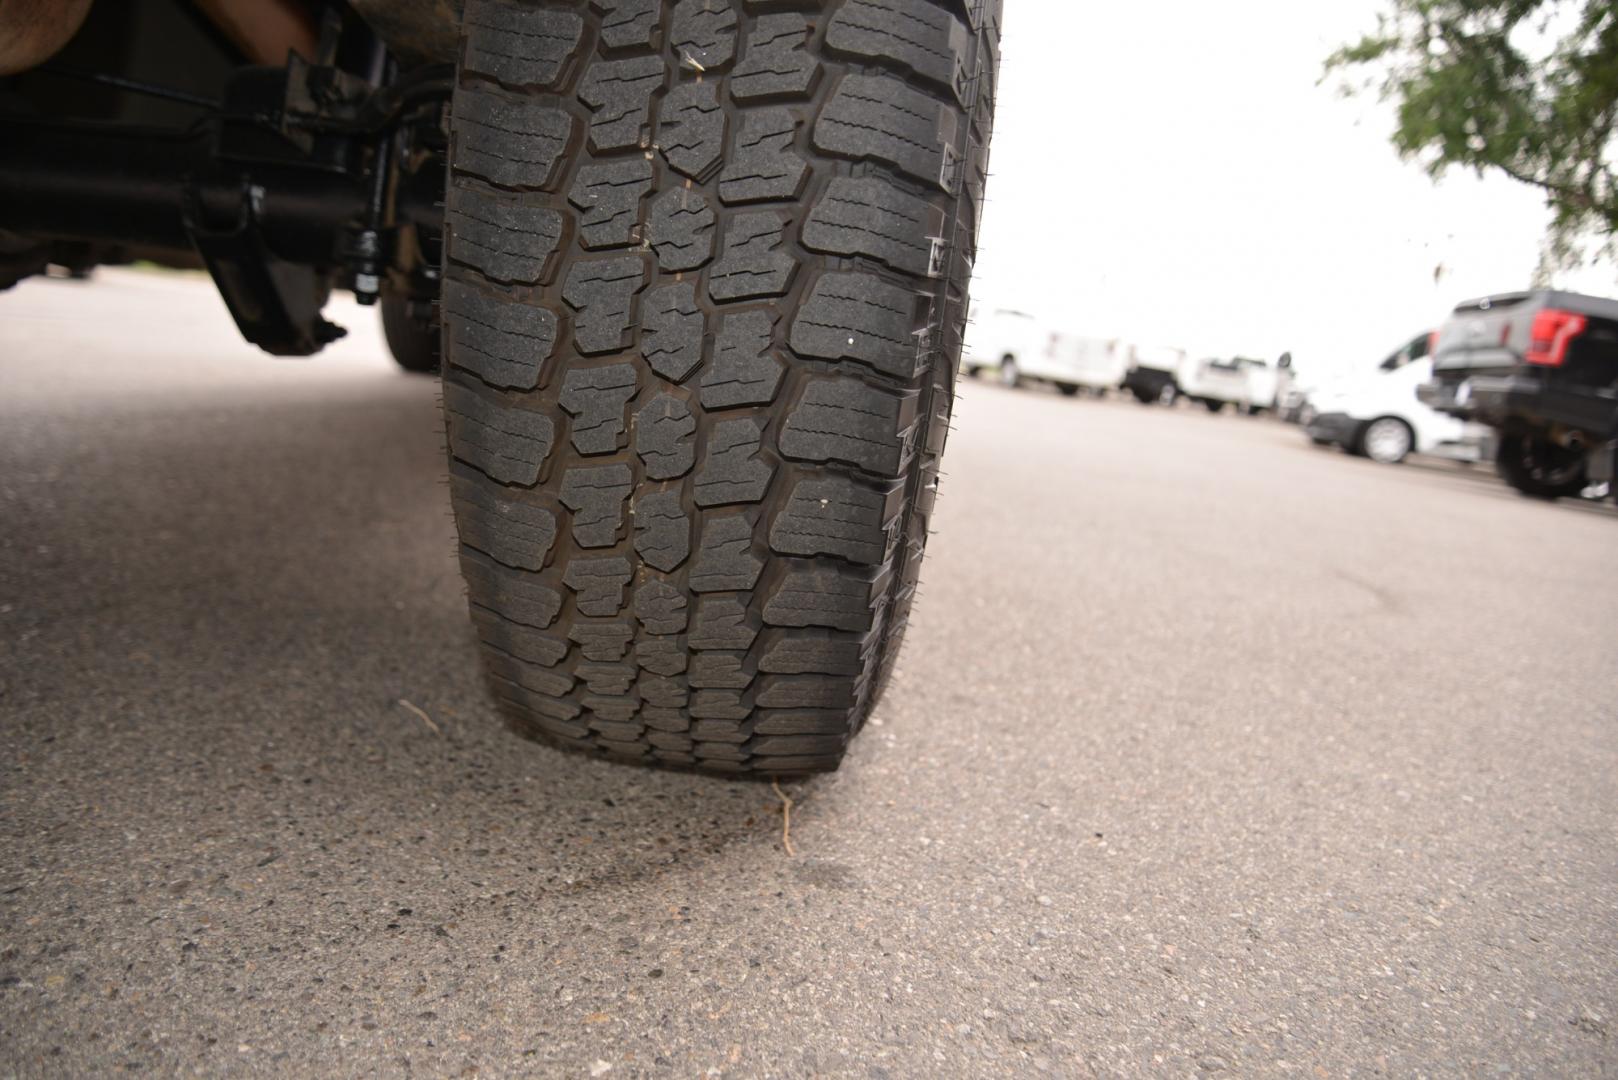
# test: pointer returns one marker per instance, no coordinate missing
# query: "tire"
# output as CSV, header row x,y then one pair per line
x,y
1068,389
1213,406
1387,440
1009,375
413,342
1539,468
701,353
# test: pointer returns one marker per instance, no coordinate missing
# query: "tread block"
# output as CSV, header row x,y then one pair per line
x,y
821,596
546,681
776,62
763,164
523,642
519,46
732,471
503,239
754,262
598,584
503,342
802,722
867,215
660,607
681,229
606,678
508,444
619,93
928,40
667,719
704,33
719,670
603,291
853,316
663,692
518,534
663,430
721,622
673,327
602,642
841,419
744,370
664,656
609,194
670,740
596,496
717,705
792,750
513,142
520,596
879,118
552,714
691,131
595,398
835,516
662,531
723,736
614,721
805,692
797,654
626,24
725,559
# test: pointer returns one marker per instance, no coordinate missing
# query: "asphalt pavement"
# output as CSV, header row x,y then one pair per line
x,y
1210,751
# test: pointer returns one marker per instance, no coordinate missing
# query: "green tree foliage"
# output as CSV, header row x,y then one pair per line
x,y
1526,87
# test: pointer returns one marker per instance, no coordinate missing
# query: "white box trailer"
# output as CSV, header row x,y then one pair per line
x,y
1016,348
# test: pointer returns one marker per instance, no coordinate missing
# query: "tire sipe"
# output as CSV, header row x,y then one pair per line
x,y
705,284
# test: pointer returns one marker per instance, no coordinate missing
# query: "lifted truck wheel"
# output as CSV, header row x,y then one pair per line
x,y
1540,468
700,355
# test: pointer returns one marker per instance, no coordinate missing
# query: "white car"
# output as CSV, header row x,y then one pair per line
x,y
1018,348
1377,413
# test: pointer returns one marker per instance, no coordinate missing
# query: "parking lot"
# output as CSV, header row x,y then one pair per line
x,y
1239,755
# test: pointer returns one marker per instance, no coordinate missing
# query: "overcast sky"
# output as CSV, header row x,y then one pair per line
x,y
1171,173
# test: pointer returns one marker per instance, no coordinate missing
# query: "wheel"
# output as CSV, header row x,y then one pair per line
x,y
1387,440
1068,389
701,352
1539,468
974,372
413,341
1009,375
1213,406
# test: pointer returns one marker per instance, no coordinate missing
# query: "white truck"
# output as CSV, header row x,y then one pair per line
x,y
1253,386
1017,348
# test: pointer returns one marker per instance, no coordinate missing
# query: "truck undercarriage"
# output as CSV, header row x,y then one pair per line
x,y
159,131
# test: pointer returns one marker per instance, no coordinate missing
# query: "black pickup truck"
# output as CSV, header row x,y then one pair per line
x,y
1541,367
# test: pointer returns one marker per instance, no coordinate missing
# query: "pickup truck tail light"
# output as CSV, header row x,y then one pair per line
x,y
1553,331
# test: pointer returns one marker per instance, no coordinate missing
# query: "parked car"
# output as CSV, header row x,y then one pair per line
x,y
1377,413
1250,385
1154,374
1018,348
1541,368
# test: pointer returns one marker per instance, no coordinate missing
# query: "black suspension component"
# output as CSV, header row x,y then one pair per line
x,y
289,186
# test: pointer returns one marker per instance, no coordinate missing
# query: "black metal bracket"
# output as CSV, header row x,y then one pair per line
x,y
277,304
